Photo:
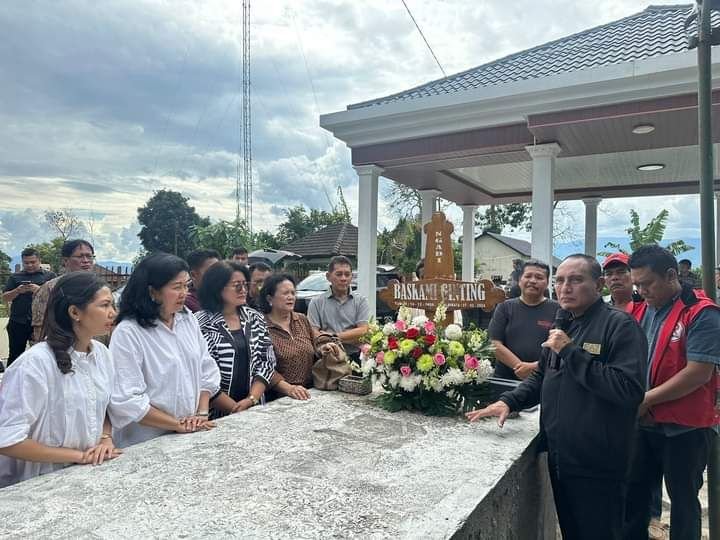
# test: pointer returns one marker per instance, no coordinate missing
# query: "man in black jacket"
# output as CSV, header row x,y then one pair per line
x,y
590,381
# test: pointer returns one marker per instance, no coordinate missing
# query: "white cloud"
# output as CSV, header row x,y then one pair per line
x,y
106,102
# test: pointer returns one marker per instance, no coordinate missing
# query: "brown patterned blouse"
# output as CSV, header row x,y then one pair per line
x,y
295,352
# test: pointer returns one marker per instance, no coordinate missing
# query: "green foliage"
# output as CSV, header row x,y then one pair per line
x,y
222,236
652,233
512,215
166,219
5,269
265,240
50,253
426,401
300,222
400,247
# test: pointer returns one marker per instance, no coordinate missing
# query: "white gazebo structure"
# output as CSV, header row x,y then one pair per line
x,y
608,112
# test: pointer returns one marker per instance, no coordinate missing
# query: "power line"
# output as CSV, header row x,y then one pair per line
x,y
425,40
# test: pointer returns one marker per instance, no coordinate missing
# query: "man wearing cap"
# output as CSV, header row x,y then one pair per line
x,y
617,278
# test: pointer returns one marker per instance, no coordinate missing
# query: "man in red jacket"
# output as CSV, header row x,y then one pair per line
x,y
678,419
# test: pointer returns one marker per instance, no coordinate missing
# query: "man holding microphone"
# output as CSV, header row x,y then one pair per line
x,y
590,381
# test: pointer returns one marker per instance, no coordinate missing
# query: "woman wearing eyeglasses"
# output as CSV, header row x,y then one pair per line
x,y
237,338
165,374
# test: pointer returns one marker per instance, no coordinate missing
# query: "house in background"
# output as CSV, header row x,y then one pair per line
x,y
316,249
494,255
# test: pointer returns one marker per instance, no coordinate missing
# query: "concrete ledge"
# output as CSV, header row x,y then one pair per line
x,y
336,466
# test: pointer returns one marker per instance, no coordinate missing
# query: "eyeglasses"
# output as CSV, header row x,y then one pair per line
x,y
83,257
239,286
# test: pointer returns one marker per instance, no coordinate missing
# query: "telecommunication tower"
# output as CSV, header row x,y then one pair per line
x,y
244,173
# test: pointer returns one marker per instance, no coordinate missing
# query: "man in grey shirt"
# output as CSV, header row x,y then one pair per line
x,y
340,311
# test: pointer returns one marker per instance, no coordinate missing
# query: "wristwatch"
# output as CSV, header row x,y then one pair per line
x,y
254,400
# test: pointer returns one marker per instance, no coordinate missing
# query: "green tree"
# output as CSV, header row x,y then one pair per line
x,y
499,216
222,236
265,240
165,221
5,270
50,253
400,246
652,233
300,222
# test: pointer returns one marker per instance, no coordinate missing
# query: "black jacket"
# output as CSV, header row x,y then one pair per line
x,y
590,393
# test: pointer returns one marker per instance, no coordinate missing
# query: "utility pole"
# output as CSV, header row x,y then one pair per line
x,y
705,40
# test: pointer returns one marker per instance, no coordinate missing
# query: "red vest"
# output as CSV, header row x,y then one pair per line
x,y
697,409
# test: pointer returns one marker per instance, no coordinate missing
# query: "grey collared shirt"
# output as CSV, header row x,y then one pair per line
x,y
328,313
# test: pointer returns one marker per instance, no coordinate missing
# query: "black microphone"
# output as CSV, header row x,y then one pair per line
x,y
562,321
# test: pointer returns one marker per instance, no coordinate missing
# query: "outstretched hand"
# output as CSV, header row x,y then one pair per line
x,y
499,409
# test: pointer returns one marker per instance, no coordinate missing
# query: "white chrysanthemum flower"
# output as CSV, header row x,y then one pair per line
x,y
436,384
484,370
453,331
452,377
388,329
410,383
394,378
419,321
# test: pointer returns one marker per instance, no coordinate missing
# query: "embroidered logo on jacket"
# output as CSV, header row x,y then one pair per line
x,y
592,348
678,332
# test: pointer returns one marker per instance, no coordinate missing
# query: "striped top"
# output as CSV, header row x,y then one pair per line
x,y
295,351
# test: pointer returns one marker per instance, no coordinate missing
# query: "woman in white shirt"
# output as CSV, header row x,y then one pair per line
x,y
54,397
165,375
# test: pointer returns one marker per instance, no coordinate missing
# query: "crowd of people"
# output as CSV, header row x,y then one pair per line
x,y
190,341
628,387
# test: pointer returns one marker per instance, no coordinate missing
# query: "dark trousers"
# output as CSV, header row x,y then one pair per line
x,y
18,336
681,460
588,508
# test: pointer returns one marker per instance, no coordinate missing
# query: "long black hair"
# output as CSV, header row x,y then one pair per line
x,y
214,281
156,271
74,289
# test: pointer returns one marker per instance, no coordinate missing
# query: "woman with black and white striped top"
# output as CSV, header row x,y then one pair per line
x,y
237,338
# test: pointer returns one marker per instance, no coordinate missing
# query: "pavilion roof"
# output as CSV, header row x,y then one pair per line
x,y
337,239
656,31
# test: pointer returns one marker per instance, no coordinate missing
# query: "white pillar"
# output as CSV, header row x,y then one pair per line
x,y
717,227
468,242
367,231
591,208
543,171
428,197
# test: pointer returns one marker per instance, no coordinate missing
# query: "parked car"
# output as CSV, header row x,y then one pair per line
x,y
274,258
317,283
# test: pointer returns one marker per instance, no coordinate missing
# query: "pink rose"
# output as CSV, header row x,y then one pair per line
x,y
380,358
400,325
365,348
471,362
429,327
405,370
439,359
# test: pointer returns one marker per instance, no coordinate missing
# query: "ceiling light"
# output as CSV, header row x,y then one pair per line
x,y
648,167
643,129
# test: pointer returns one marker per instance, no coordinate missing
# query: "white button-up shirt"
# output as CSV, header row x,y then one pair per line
x,y
38,402
158,366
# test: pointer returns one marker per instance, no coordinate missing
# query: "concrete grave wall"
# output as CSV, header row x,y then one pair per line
x,y
336,466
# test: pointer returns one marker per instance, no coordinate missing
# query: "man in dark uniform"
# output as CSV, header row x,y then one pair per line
x,y
19,290
590,380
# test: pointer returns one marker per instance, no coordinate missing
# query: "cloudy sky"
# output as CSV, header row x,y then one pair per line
x,y
101,103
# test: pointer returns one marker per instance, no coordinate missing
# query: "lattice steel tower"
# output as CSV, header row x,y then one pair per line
x,y
244,172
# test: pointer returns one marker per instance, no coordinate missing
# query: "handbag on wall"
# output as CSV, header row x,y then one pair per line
x,y
332,363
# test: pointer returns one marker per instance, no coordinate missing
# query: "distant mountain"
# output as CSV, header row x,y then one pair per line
x,y
568,248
